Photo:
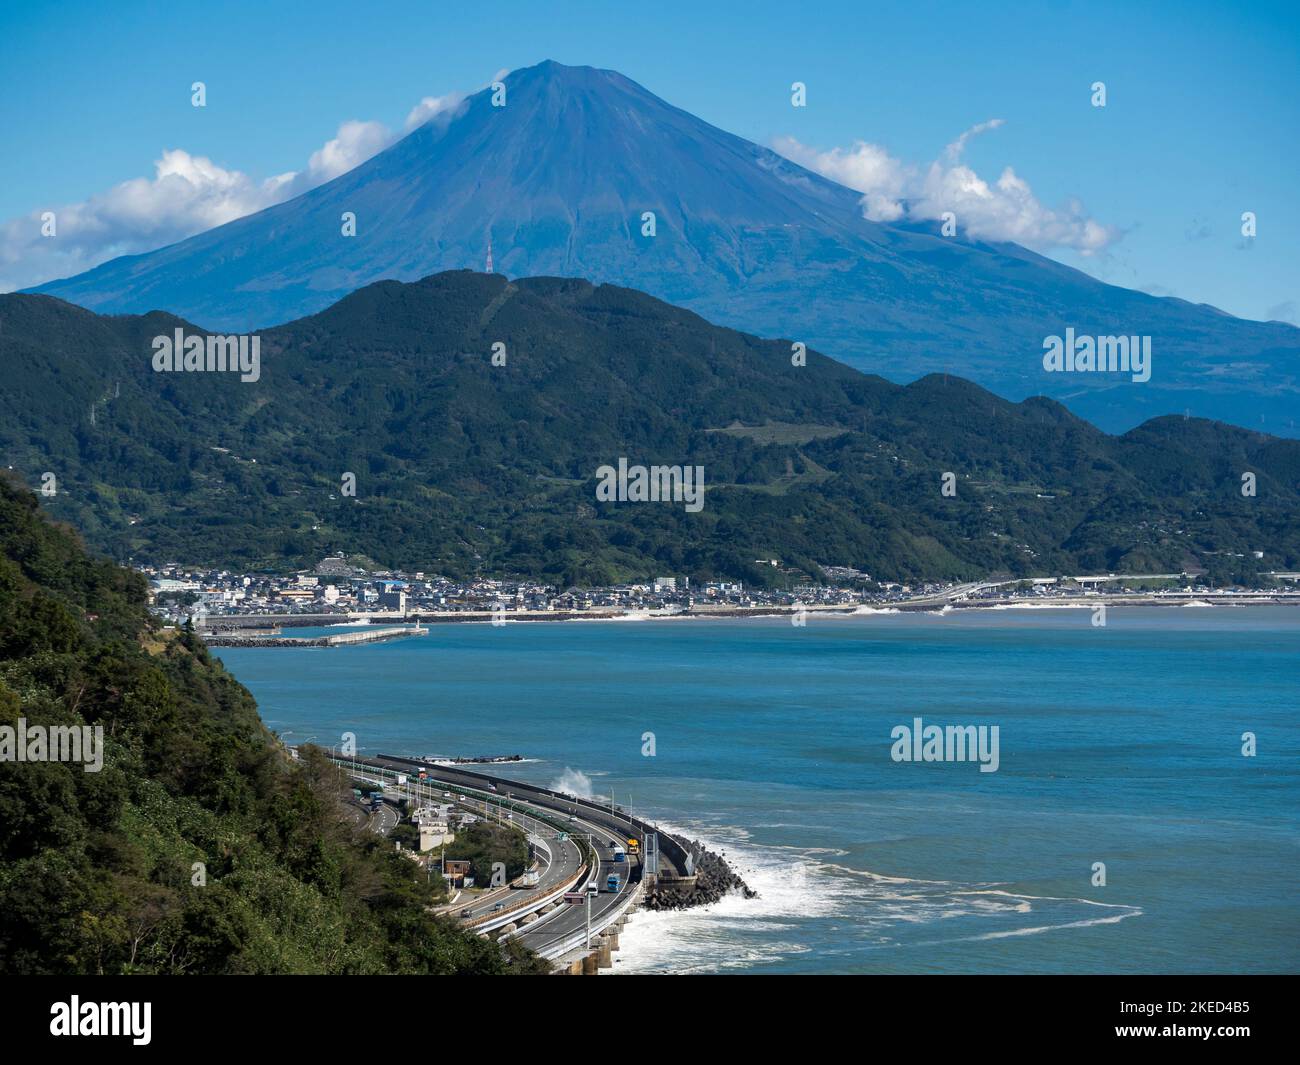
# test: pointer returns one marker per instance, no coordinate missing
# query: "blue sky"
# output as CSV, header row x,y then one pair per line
x,y
1202,119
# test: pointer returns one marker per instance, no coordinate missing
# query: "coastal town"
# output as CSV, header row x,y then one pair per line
x,y
335,587
338,592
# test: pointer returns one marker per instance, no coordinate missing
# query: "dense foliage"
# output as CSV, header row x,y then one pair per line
x,y
483,844
465,467
200,847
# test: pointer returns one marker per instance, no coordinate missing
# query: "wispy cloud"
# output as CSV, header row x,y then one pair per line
x,y
1287,311
1004,210
432,107
953,152
355,143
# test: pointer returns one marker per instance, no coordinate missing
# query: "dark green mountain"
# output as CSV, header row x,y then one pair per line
x,y
98,869
464,467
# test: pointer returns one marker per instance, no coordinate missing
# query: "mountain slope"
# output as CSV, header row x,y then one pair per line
x,y
559,179
463,466
197,846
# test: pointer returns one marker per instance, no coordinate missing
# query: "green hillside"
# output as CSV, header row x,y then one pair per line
x,y
98,869
466,467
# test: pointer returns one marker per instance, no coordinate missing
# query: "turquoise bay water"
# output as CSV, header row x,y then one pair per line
x,y
1119,745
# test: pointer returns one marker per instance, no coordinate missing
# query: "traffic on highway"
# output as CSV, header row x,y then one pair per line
x,y
588,857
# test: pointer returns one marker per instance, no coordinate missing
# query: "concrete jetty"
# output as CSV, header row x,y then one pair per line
x,y
341,639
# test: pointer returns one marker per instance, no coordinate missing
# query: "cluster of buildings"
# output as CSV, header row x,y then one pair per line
x,y
436,825
334,587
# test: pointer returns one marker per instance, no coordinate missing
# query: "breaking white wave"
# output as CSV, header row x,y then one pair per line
x,y
735,933
798,890
573,782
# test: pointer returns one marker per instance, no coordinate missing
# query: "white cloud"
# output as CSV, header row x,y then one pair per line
x,y
953,152
186,195
356,142
866,167
1005,210
433,107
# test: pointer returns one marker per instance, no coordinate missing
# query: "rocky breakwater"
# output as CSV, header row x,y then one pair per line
x,y
714,879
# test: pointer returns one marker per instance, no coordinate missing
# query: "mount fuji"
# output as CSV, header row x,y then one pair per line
x,y
560,179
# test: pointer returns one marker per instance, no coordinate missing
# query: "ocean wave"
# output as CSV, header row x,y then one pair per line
x,y
572,782
798,890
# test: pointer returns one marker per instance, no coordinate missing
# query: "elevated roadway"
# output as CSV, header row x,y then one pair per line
x,y
582,838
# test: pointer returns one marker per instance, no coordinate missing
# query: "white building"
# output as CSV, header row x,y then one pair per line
x,y
434,834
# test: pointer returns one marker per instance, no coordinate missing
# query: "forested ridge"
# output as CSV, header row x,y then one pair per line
x,y
464,466
200,846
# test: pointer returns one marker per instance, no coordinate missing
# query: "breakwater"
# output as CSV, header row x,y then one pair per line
x,y
713,879
342,639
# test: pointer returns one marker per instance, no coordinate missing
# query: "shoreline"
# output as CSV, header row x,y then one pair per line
x,y
719,613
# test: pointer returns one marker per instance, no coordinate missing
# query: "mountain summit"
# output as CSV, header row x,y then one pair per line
x,y
560,179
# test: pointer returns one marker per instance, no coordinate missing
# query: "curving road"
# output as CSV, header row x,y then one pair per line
x,y
602,827
558,859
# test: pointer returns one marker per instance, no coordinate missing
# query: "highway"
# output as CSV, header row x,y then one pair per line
x,y
549,932
577,818
382,821
558,860
558,868
927,602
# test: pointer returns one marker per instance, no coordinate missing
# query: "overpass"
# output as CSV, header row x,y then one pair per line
x,y
576,840
675,861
